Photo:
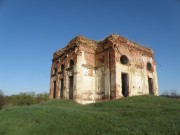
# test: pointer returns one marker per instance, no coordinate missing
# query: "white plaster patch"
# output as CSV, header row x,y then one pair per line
x,y
138,83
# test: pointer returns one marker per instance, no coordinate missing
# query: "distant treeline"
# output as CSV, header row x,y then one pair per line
x,y
27,98
171,94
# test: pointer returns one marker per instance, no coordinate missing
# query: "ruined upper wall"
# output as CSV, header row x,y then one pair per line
x,y
117,40
99,46
76,42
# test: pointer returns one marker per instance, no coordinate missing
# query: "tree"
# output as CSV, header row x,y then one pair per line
x,y
2,99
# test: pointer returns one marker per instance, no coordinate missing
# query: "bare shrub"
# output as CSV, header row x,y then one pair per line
x,y
171,94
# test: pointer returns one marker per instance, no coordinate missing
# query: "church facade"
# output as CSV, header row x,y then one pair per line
x,y
88,71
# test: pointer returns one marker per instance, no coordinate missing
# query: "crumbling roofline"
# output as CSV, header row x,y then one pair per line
x,y
95,45
56,56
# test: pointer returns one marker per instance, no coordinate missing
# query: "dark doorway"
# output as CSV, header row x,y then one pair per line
x,y
54,94
124,80
150,83
71,87
61,90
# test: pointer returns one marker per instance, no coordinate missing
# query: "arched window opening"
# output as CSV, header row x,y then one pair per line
x,y
149,66
71,63
62,67
124,59
55,71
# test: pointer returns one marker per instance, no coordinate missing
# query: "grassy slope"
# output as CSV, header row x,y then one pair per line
x,y
132,115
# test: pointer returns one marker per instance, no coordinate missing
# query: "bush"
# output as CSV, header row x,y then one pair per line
x,y
27,98
21,99
2,99
42,97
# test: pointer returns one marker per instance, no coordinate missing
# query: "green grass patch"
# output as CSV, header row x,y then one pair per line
x,y
132,115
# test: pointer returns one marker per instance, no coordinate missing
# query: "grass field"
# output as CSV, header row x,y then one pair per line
x,y
132,115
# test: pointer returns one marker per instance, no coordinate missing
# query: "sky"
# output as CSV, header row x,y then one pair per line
x,y
32,30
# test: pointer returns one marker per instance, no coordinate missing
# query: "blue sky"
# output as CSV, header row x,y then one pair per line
x,y
31,30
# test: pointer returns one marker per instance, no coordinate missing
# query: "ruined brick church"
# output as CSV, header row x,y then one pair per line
x,y
88,71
